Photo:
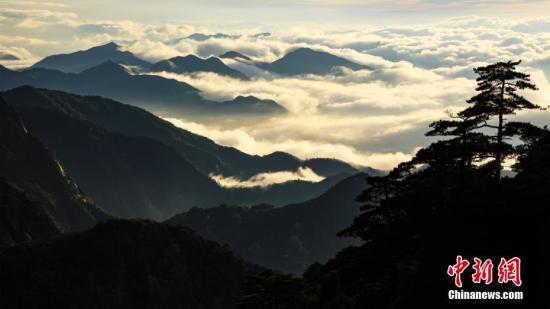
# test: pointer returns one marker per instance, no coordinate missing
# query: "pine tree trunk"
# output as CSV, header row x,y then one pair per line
x,y
499,133
499,146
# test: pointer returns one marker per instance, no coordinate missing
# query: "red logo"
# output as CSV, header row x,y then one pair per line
x,y
508,270
482,271
457,269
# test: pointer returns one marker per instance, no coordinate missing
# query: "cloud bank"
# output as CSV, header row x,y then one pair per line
x,y
267,179
371,118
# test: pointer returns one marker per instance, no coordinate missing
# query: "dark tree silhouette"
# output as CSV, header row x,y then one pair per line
x,y
467,145
443,202
448,199
497,87
270,290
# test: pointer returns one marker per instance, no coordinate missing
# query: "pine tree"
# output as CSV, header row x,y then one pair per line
x,y
466,144
497,85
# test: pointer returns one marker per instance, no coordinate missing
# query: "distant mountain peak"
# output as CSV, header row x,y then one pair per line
x,y
82,60
303,50
306,51
192,64
235,55
110,45
245,98
201,37
108,67
255,101
189,57
281,155
305,60
213,59
194,59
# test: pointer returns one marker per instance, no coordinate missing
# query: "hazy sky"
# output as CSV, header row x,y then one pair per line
x,y
276,11
422,52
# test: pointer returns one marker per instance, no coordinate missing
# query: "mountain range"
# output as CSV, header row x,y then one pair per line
x,y
299,61
308,61
132,175
288,238
82,60
134,164
112,80
110,71
203,153
122,264
194,64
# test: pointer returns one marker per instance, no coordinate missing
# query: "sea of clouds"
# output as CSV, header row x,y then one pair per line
x,y
370,118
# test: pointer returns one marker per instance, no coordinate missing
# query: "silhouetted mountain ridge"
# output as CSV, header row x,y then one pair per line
x,y
112,80
137,165
194,64
26,162
235,55
130,176
81,60
202,152
308,61
289,238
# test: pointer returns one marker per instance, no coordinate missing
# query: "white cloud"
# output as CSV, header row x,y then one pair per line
x,y
374,118
267,179
34,18
312,143
533,25
15,57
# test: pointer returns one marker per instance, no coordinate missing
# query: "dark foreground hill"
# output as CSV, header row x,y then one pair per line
x,y
20,219
129,176
25,161
122,264
288,238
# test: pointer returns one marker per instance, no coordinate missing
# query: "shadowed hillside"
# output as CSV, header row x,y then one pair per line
x,y
22,220
288,238
122,264
137,165
26,162
202,152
